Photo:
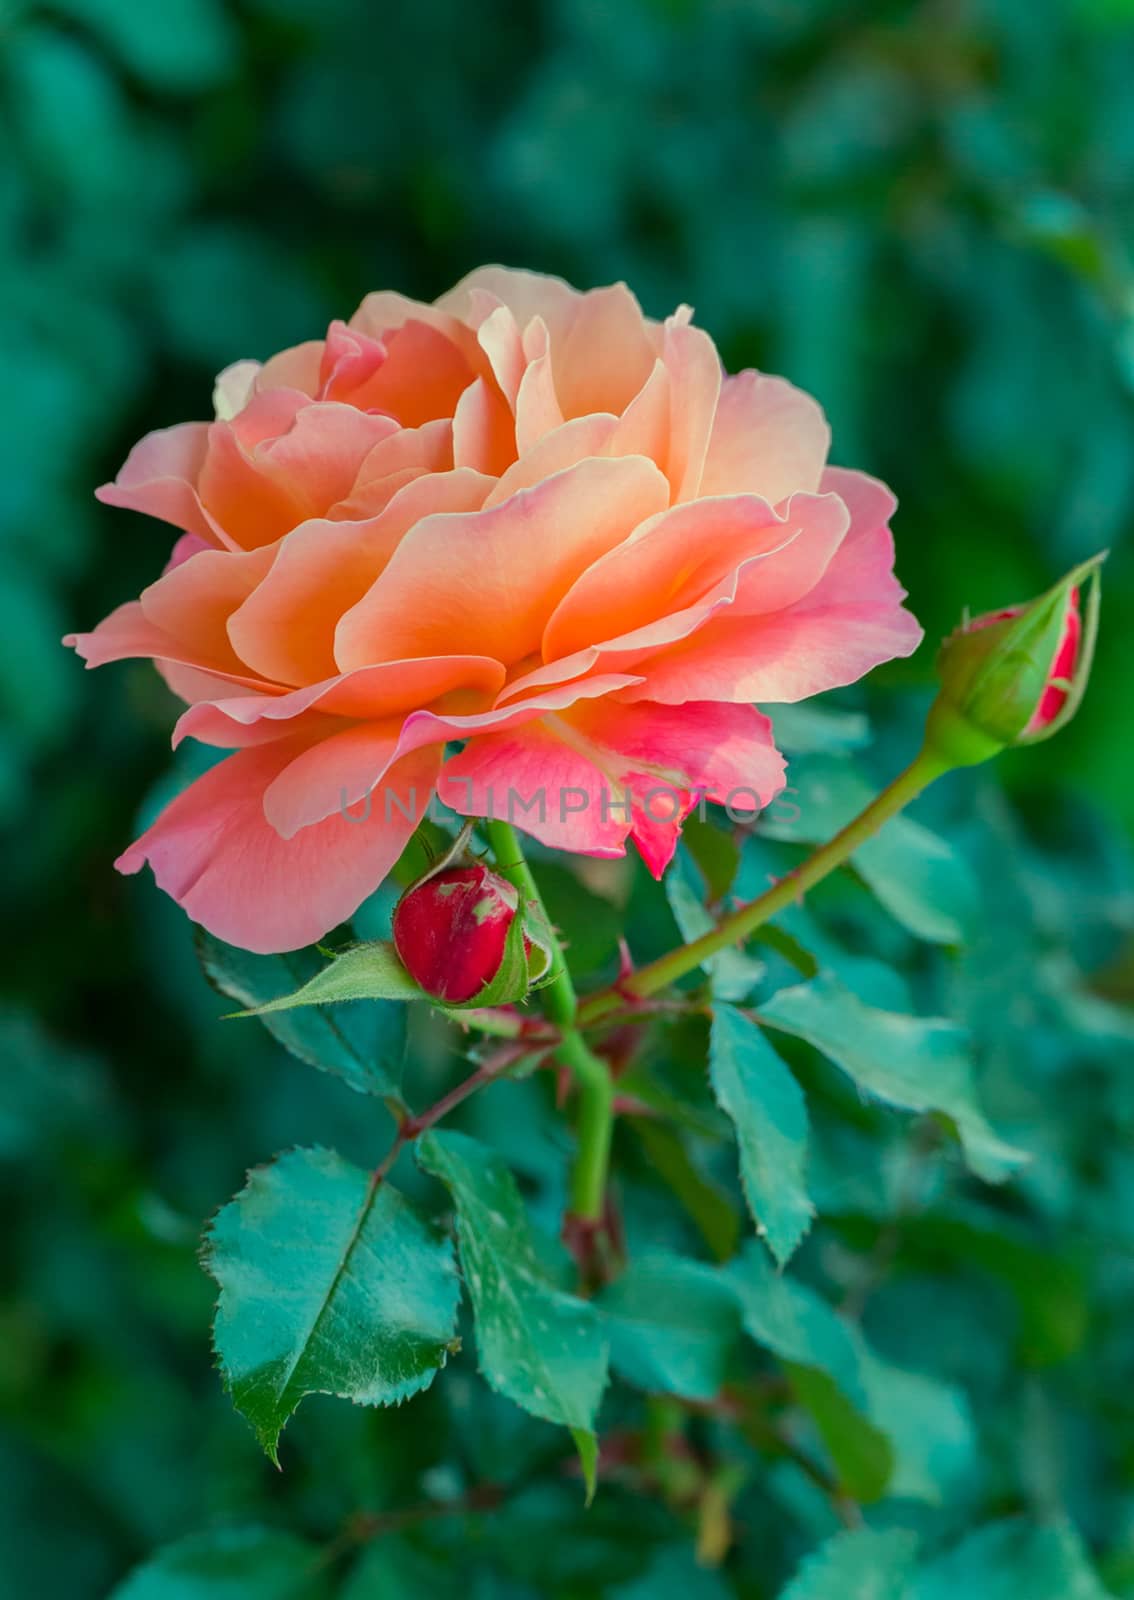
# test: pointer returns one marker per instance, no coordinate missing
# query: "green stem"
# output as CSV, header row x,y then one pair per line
x,y
739,924
596,1125
592,1077
559,993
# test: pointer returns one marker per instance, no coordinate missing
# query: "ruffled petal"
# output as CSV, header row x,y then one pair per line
x,y
484,430
371,692
159,478
422,377
599,772
849,623
605,356
214,851
694,370
538,411
182,618
486,582
563,447
286,626
526,294
679,556
768,438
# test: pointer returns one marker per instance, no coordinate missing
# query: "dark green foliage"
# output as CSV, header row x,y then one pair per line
x,y
330,1283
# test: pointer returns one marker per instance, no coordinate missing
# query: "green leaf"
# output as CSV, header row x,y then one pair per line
x,y
538,1345
365,1045
916,1063
1014,1560
673,1325
231,1564
1049,1284
794,1323
821,1354
587,1446
929,1426
767,1108
364,972
886,1428
862,1455
860,1565
822,1360
918,876
329,1284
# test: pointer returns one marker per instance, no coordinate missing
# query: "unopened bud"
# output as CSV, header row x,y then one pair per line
x,y
1016,676
462,935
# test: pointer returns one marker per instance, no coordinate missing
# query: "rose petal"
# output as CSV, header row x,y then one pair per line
x,y
499,338
644,426
526,294
694,370
566,778
159,478
214,851
192,603
422,377
848,624
286,626
484,430
371,692
538,411
126,634
572,442
768,438
679,556
258,483
486,582
605,356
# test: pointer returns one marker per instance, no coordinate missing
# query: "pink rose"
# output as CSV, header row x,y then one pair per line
x,y
524,519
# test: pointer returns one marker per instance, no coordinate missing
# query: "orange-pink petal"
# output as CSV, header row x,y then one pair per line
x,y
159,477
286,626
214,851
486,582
768,438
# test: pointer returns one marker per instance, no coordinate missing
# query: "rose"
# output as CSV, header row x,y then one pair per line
x,y
1017,675
524,518
451,932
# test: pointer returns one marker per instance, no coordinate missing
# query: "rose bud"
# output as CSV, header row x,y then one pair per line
x,y
458,935
1016,676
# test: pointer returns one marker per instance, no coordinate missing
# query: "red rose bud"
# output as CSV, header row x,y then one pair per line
x,y
1016,676
451,933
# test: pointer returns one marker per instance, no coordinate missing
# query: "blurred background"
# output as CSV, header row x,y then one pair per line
x,y
920,212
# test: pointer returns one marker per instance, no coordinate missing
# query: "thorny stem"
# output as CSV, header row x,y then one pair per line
x,y
411,1125
571,1016
596,1094
742,922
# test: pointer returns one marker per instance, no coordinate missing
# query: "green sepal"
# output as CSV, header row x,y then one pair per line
x,y
369,971
993,678
511,980
521,969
